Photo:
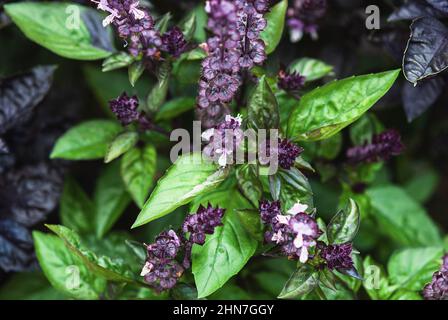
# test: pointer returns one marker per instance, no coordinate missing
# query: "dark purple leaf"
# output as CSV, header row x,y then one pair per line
x,y
28,194
439,4
6,158
16,246
416,100
427,50
414,9
20,94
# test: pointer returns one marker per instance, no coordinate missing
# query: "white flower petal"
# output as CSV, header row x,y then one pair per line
x,y
303,255
146,269
282,219
207,134
297,208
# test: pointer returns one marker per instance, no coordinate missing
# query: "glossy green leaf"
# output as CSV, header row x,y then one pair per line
x,y
138,167
175,107
67,29
121,144
344,226
116,61
101,266
401,218
135,71
86,141
110,198
250,219
65,270
189,26
249,183
276,23
311,69
187,178
158,93
295,187
263,107
412,268
302,281
325,111
229,248
76,209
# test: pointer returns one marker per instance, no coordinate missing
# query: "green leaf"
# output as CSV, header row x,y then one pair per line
x,y
86,141
345,224
29,286
189,26
138,167
295,187
302,281
263,107
119,269
325,111
175,107
158,93
225,252
375,281
116,61
311,69
121,144
249,183
65,270
68,30
162,23
411,269
76,209
427,177
188,177
276,23
402,218
362,131
250,219
135,71
110,198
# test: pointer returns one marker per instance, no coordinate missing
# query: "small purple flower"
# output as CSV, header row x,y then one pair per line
x,y
290,82
161,270
438,288
303,16
269,210
133,24
203,222
224,140
295,233
174,43
338,256
166,246
382,147
287,153
161,274
125,108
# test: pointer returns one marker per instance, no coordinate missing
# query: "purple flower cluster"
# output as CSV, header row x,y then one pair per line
x,y
438,288
303,17
174,43
133,24
285,152
235,45
125,109
290,82
161,270
295,233
338,256
223,140
382,147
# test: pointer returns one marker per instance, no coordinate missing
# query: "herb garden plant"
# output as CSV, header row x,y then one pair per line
x,y
212,164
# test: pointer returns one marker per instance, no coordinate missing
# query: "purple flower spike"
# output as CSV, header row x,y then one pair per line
x,y
125,108
290,82
383,146
167,245
287,153
303,16
269,210
173,42
438,288
338,256
203,222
